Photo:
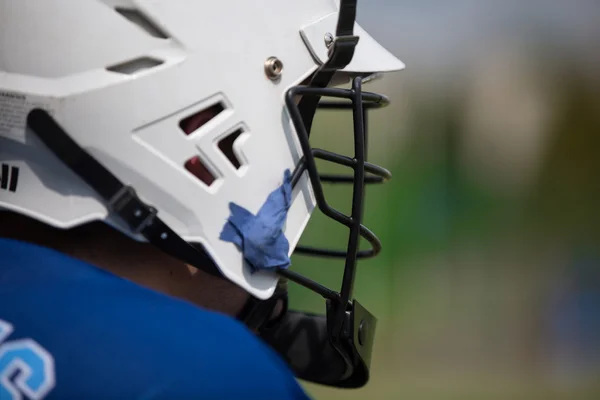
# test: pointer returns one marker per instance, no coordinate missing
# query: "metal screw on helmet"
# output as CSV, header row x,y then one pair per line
x,y
273,68
329,39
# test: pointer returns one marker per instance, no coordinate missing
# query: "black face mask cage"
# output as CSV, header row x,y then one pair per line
x,y
350,326
364,172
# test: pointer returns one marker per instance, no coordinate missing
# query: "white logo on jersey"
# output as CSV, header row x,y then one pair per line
x,y
26,368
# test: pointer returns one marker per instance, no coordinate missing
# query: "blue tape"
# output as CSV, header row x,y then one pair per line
x,y
260,237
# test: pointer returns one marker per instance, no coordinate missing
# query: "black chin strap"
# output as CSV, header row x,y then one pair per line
x,y
121,199
259,314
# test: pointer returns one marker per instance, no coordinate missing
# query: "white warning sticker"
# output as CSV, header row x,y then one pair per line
x,y
14,108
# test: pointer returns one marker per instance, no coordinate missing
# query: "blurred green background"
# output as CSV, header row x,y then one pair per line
x,y
488,286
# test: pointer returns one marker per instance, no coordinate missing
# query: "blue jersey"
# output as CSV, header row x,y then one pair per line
x,y
69,330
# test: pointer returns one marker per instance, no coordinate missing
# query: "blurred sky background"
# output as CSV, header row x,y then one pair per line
x,y
488,286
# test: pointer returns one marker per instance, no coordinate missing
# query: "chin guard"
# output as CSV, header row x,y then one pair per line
x,y
355,344
306,342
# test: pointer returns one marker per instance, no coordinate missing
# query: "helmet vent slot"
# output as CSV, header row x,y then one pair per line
x,y
135,66
143,22
226,145
200,118
199,169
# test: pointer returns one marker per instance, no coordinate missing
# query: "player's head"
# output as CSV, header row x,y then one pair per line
x,y
181,123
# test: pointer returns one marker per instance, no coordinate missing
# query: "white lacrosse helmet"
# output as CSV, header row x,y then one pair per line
x,y
154,115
